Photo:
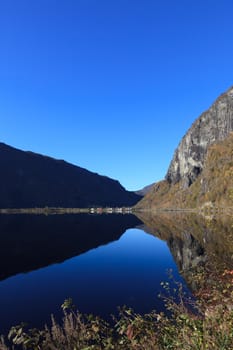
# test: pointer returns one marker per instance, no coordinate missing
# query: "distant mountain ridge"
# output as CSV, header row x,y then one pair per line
x,y
201,170
29,180
144,190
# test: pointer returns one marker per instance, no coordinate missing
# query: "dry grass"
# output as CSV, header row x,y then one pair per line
x,y
209,326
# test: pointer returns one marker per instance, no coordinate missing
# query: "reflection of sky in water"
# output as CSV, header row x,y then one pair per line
x,y
125,272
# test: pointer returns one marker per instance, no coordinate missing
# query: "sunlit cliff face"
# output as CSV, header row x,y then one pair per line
x,y
213,125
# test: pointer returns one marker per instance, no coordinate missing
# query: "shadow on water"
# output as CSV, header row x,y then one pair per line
x,y
29,242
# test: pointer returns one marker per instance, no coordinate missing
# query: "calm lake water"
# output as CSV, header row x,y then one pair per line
x,y
101,262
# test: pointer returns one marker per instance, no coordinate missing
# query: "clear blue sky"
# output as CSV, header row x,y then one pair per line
x,y
111,85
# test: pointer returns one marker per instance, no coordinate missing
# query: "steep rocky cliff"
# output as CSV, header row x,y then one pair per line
x,y
201,171
214,185
213,125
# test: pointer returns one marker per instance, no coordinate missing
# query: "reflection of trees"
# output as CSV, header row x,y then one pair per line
x,y
193,240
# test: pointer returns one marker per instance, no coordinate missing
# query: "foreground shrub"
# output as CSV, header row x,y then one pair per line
x,y
206,325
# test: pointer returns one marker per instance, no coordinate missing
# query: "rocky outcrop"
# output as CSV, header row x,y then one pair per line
x,y
201,171
213,125
213,188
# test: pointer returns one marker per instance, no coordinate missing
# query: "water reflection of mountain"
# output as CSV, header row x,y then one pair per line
x,y
29,242
193,240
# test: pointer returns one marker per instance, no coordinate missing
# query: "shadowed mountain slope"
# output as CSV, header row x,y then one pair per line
x,y
32,180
